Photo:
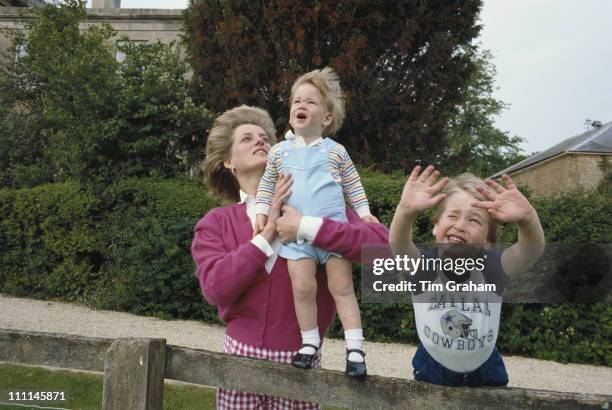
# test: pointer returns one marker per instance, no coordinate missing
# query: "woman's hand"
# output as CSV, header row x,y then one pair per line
x,y
281,193
288,225
420,190
507,205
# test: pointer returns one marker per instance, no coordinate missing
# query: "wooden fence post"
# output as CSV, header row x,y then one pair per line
x,y
134,375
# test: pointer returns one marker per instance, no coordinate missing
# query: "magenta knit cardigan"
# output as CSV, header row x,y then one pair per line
x,y
258,306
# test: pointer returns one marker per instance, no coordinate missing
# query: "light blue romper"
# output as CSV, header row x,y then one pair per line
x,y
314,193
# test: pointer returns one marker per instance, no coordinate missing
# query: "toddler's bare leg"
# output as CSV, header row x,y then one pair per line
x,y
340,283
304,283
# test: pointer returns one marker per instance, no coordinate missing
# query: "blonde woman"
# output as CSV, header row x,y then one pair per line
x,y
242,274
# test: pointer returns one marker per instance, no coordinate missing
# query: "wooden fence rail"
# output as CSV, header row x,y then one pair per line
x,y
134,371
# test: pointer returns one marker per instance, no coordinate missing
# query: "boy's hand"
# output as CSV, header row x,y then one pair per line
x,y
260,224
420,189
507,205
370,218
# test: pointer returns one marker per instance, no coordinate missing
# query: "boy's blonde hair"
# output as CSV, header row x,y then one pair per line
x,y
327,82
218,178
468,182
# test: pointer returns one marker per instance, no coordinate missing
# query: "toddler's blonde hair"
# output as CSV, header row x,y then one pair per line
x,y
327,82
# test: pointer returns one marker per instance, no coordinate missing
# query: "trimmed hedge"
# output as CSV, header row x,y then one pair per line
x,y
148,235
48,241
131,251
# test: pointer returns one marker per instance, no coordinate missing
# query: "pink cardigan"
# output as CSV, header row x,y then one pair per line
x,y
257,306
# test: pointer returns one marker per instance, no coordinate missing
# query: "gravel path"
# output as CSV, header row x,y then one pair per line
x,y
383,358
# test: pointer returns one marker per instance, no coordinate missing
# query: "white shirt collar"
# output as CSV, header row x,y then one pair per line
x,y
249,201
299,141
246,197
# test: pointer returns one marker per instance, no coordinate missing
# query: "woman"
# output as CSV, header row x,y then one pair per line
x,y
241,274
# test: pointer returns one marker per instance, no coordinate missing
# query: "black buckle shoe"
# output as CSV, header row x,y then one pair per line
x,y
356,370
304,360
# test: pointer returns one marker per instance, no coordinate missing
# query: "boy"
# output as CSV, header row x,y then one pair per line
x,y
457,334
323,174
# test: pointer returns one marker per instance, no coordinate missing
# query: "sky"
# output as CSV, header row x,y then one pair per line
x,y
553,60
554,65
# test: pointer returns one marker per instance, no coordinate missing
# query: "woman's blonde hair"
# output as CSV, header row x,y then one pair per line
x,y
468,183
218,178
327,82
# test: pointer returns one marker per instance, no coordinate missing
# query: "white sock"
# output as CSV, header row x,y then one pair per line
x,y
310,337
354,340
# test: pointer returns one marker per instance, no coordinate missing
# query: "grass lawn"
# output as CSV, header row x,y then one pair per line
x,y
85,390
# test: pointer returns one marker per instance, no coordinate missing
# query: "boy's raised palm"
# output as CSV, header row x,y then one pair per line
x,y
507,205
421,189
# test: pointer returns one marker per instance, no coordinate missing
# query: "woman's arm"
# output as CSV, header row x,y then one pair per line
x,y
348,238
223,274
343,238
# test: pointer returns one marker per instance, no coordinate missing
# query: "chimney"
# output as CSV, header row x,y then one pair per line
x,y
106,4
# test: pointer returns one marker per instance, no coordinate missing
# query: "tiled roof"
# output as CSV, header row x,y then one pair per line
x,y
596,140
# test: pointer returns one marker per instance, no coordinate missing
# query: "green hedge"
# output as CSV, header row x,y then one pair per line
x,y
48,241
130,251
148,235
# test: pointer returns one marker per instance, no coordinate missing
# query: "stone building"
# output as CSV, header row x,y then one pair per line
x,y
576,164
138,25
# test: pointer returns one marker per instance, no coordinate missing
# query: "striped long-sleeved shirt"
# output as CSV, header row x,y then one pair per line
x,y
341,167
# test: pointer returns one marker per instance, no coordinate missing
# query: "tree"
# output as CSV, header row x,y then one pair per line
x,y
71,111
25,88
404,65
476,145
157,128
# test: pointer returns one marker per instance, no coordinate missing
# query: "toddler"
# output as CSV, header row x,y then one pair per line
x,y
323,174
